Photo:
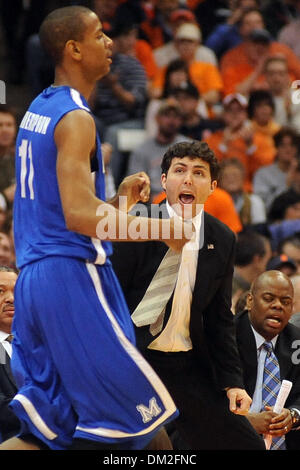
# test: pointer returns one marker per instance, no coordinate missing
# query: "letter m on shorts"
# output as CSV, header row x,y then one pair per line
x,y
150,412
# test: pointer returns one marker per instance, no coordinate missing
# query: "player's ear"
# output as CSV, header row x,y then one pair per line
x,y
73,49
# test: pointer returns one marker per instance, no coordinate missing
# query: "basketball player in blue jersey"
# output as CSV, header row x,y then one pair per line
x,y
81,382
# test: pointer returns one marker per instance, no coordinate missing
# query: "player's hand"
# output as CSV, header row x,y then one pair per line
x,y
239,401
134,188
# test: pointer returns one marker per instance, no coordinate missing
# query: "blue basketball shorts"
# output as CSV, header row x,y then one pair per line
x,y
78,372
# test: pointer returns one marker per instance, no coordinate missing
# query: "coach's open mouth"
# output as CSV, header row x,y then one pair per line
x,y
186,198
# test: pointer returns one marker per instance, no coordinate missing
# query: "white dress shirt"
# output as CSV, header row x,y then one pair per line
x,y
5,344
175,336
261,356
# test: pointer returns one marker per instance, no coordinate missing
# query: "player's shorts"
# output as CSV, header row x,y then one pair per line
x,y
78,372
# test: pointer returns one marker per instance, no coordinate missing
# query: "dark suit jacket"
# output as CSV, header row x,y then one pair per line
x,y
9,423
211,323
287,344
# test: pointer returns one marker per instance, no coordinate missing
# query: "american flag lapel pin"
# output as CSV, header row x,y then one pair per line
x,y
210,246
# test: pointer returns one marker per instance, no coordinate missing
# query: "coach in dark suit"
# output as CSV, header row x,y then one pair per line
x,y
269,307
194,350
9,423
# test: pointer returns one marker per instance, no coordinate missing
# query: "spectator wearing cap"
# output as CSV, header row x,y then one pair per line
x,y
282,263
242,68
229,34
239,140
290,246
147,156
165,54
272,180
205,76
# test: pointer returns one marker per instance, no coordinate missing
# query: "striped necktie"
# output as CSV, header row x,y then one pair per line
x,y
270,388
159,291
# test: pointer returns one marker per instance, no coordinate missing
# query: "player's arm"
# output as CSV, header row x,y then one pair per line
x,y
75,137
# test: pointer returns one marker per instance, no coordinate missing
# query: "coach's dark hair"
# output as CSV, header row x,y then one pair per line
x,y
60,26
194,149
8,269
249,244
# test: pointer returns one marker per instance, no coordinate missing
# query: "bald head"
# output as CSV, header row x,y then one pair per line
x,y
61,26
268,277
270,303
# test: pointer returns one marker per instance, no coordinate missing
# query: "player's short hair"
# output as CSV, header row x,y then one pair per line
x,y
60,26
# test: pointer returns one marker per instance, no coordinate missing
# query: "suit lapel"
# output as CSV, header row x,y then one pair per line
x,y
6,367
248,352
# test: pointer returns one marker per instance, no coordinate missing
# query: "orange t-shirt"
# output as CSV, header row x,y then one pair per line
x,y
235,66
206,77
220,205
144,54
263,152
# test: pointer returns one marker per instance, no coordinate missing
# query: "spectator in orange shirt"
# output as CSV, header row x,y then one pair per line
x,y
205,76
157,28
261,109
220,205
242,67
238,139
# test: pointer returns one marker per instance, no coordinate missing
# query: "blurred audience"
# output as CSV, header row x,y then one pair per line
x,y
242,68
289,34
282,263
8,129
250,207
205,76
287,111
272,180
286,206
147,156
295,318
290,246
238,138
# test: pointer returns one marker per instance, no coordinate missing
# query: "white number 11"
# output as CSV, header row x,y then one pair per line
x,y
25,151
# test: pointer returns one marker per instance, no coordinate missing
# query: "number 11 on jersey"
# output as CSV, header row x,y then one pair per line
x,y
25,153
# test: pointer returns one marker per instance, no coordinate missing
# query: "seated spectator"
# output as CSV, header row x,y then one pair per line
x,y
264,334
205,76
220,205
282,263
7,152
286,206
253,252
171,50
3,213
290,246
287,111
242,68
157,27
177,76
239,140
147,156
272,180
250,207
119,102
194,125
261,113
238,25
125,34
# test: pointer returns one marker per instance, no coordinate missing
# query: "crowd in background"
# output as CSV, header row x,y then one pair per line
x,y
226,72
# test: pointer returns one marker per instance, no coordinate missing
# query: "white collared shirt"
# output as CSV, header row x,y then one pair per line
x,y
5,344
261,356
176,335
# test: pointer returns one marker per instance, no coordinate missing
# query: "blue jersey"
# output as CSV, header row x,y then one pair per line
x,y
39,224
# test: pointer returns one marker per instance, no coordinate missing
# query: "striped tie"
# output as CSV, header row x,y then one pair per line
x,y
159,291
270,389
